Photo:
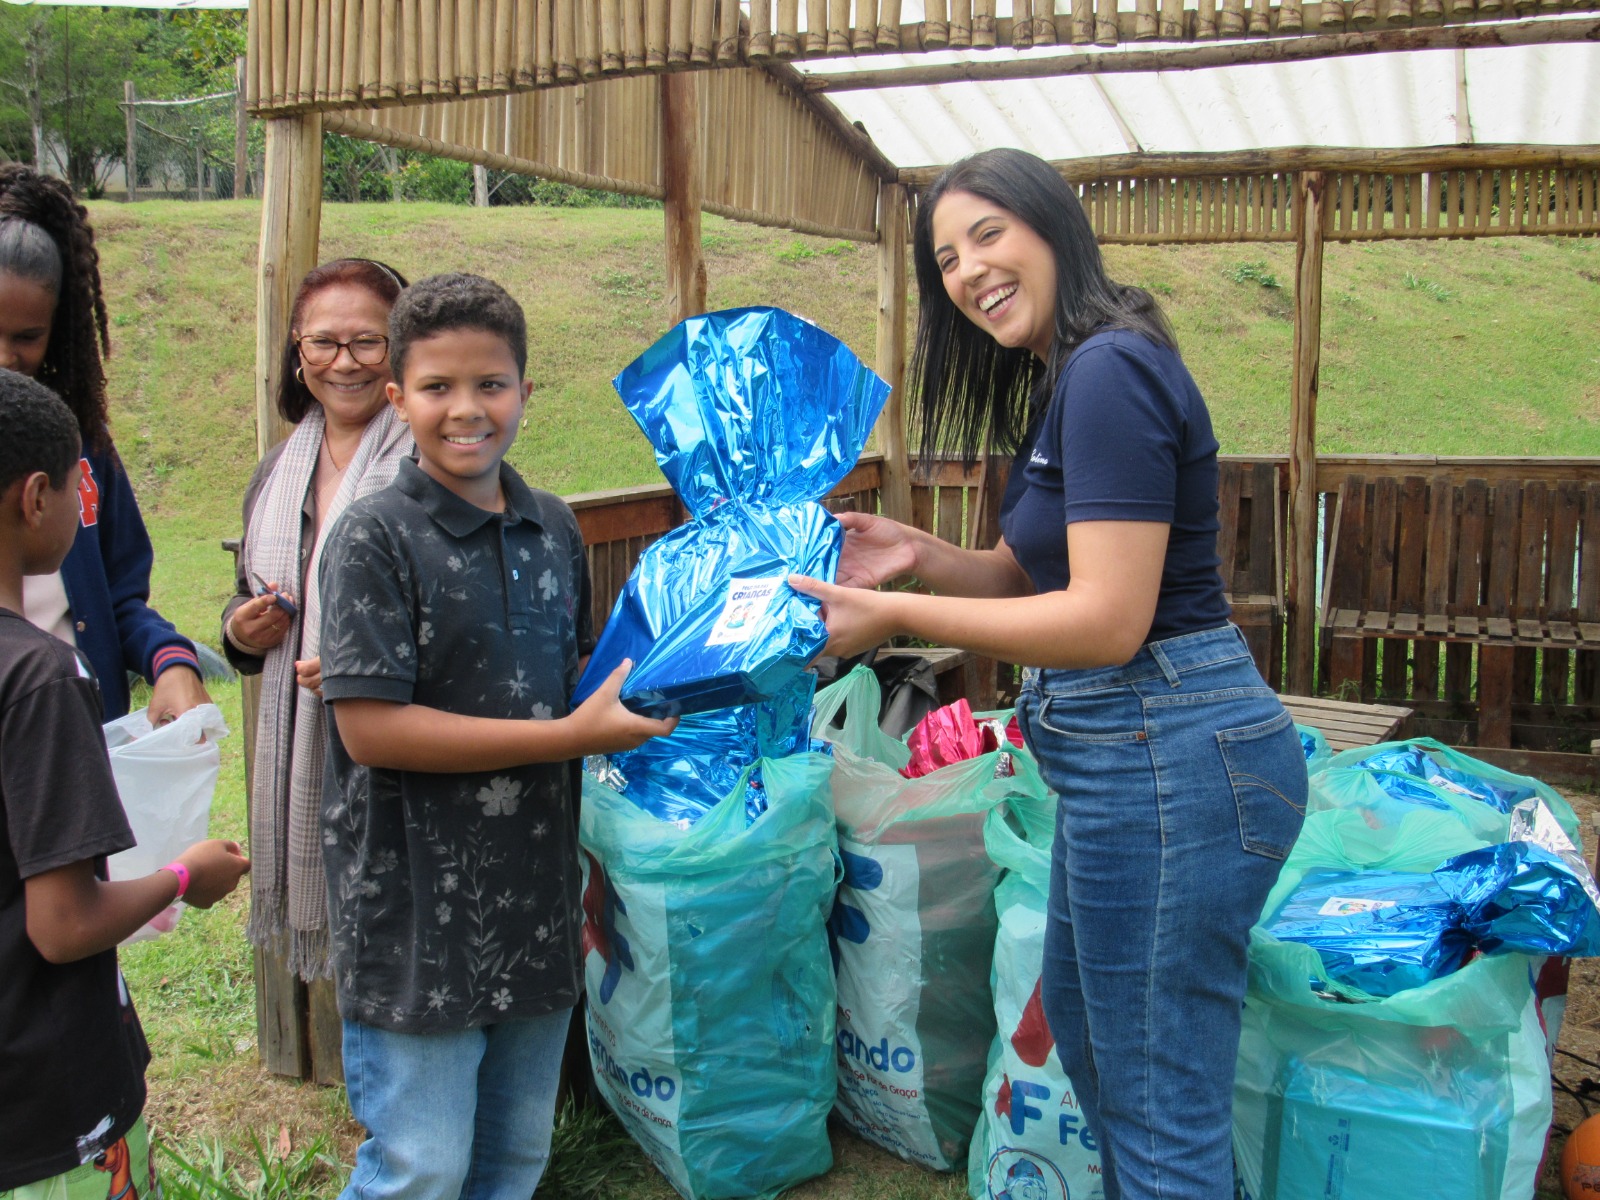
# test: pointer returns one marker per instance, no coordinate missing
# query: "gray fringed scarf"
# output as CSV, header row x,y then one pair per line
x,y
288,893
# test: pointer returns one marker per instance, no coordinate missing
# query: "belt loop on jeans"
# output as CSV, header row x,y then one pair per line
x,y
1165,663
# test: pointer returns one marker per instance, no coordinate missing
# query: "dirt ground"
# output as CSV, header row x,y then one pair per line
x,y
1577,1066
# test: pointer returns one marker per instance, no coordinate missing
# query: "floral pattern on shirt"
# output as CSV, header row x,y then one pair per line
x,y
453,898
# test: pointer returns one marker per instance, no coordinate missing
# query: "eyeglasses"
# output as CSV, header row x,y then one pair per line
x,y
317,350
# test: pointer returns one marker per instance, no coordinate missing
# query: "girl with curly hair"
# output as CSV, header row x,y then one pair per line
x,y
53,328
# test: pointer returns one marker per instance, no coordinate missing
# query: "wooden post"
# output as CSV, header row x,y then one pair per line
x,y
892,219
241,133
1300,552
681,175
291,216
480,186
130,159
296,1023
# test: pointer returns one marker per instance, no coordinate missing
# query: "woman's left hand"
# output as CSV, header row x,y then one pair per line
x,y
308,674
857,619
176,691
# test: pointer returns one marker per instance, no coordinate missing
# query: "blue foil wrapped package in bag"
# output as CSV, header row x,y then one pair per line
x,y
1384,931
1380,931
755,415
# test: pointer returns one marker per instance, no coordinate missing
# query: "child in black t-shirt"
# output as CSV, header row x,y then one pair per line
x,y
73,1058
456,610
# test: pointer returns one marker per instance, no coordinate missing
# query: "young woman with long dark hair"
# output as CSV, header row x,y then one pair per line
x,y
1181,781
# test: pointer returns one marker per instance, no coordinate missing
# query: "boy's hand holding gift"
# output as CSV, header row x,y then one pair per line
x,y
606,727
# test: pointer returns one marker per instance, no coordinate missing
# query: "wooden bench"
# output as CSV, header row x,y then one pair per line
x,y
1250,514
1347,725
1506,567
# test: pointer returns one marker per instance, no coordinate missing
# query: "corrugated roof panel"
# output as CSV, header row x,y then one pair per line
x,y
1542,95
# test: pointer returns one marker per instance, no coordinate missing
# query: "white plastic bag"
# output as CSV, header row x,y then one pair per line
x,y
166,776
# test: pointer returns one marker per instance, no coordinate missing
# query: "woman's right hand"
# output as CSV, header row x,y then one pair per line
x,y
260,623
876,550
604,726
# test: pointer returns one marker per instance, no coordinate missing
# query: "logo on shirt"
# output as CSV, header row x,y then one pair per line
x,y
1036,459
88,496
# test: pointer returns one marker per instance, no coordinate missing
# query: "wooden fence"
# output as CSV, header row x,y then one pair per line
x,y
1555,692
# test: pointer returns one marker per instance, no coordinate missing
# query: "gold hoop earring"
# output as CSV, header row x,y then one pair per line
x,y
300,375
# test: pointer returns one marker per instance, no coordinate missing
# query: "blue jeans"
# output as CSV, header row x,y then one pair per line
x,y
463,1115
1182,786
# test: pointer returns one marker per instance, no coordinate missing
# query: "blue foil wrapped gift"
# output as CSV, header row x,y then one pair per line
x,y
755,415
1385,931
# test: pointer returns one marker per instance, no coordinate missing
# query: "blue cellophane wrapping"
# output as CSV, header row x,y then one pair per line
x,y
1388,782
682,777
1385,931
1415,935
755,415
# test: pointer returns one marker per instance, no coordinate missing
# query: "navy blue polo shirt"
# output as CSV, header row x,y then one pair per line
x,y
1126,437
453,899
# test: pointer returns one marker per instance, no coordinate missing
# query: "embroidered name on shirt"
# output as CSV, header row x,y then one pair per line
x,y
1036,459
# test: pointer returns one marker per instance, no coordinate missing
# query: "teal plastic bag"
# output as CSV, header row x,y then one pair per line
x,y
710,994
1031,1138
1441,1089
913,928
1315,745
1386,797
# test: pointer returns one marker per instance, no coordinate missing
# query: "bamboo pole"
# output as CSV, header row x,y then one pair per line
x,y
254,59
1171,26
590,46
936,26
544,46
1188,58
1290,18
1260,17
566,53
1105,22
320,66
680,14
1308,158
389,40
525,20
655,33
760,30
836,39
610,36
984,28
371,49
888,36
1044,23
728,32
1231,22
682,181
893,218
863,38
1300,535
816,35
632,35
1145,25
306,56
1022,23
786,37
1205,20
350,66
497,65
960,24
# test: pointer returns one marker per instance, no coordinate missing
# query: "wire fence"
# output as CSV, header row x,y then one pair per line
x,y
197,148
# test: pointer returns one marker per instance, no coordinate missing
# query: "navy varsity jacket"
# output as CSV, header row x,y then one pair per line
x,y
107,578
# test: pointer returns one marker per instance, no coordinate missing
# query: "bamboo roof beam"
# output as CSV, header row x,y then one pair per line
x,y
349,126
1192,58
1306,158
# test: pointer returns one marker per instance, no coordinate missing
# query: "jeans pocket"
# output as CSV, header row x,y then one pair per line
x,y
1113,715
1267,772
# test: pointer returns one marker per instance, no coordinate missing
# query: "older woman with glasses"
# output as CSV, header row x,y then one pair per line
x,y
347,443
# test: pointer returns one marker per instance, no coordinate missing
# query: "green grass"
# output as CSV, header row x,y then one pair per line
x,y
1482,347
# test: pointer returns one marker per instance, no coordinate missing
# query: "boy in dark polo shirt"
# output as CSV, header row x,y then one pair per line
x,y
456,612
